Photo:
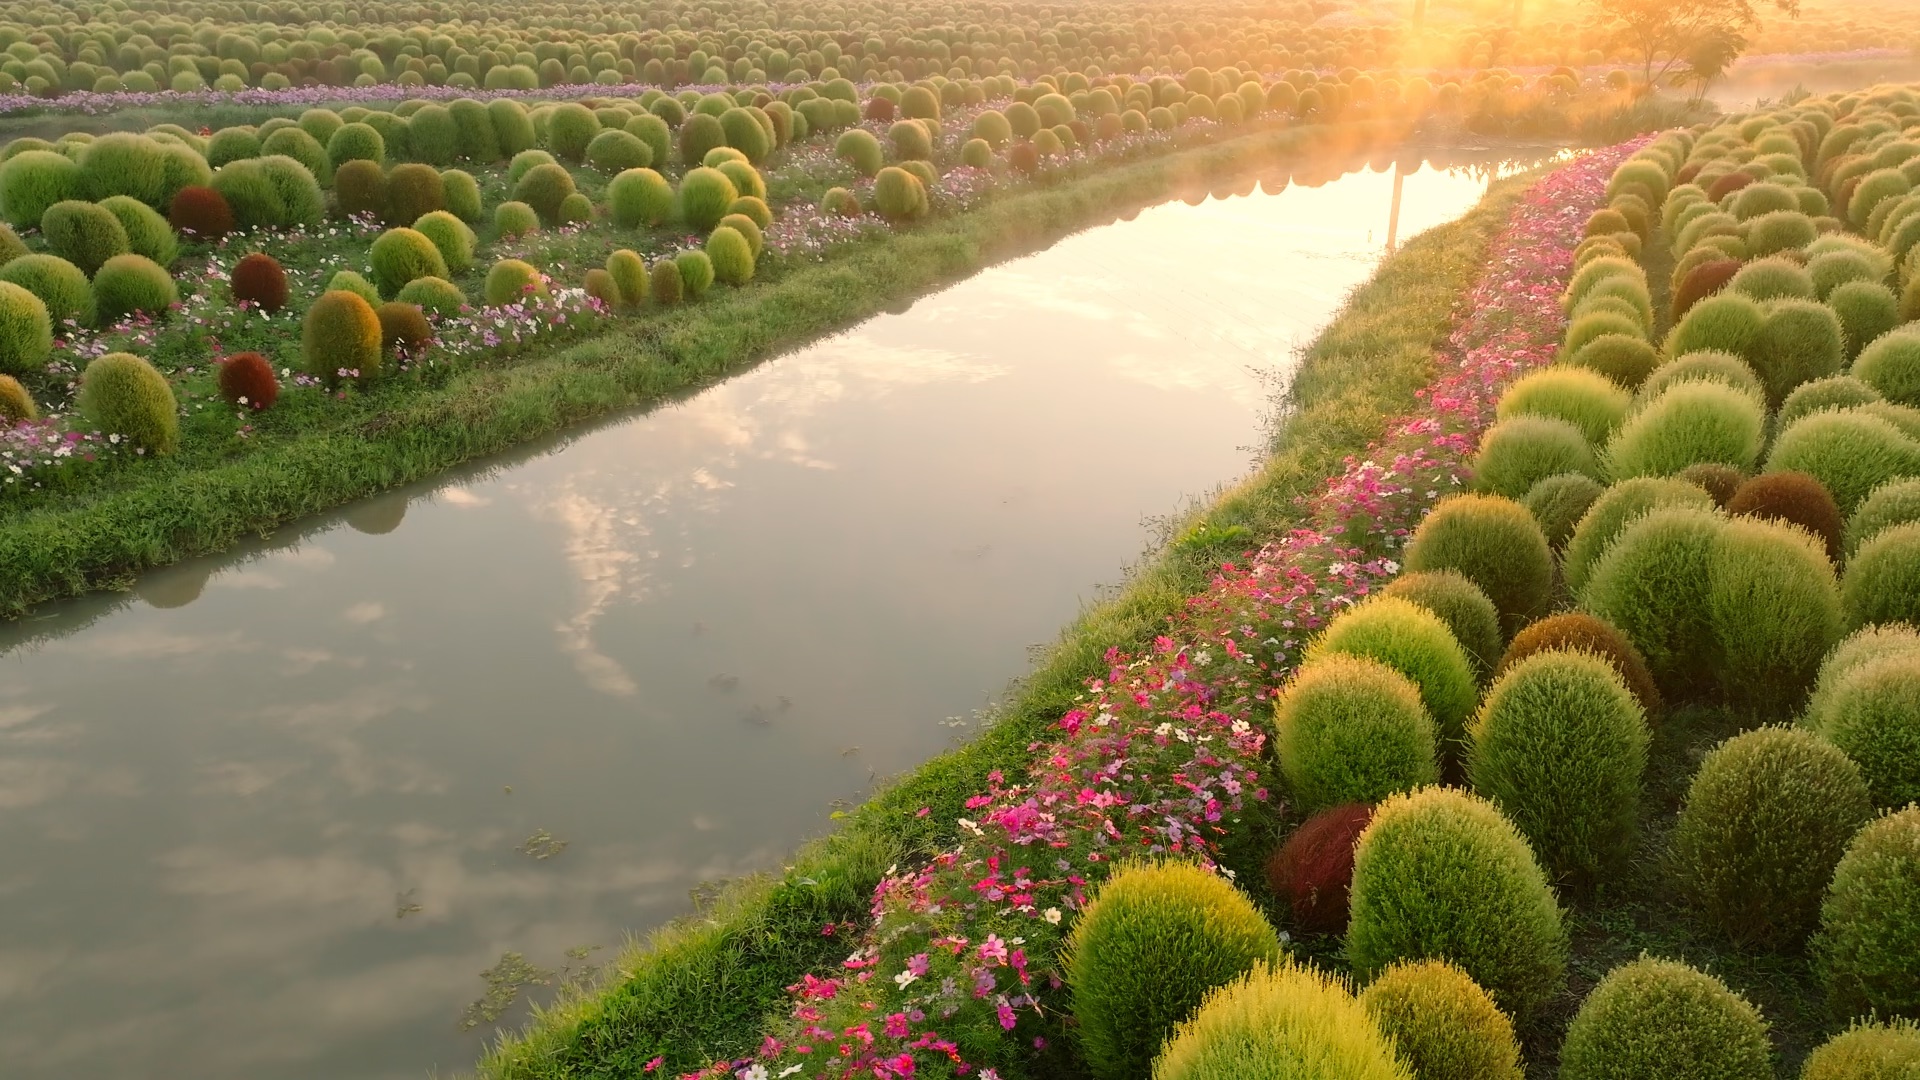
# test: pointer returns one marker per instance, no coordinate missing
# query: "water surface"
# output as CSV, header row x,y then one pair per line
x,y
272,814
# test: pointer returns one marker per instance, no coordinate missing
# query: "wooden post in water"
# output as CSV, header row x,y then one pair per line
x,y
1393,215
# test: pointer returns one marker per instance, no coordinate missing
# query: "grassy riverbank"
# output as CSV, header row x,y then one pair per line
x,y
699,990
160,511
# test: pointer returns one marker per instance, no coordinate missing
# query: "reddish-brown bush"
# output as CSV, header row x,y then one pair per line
x,y
201,212
1719,481
246,379
1727,185
1082,134
403,327
1797,499
258,280
1701,282
1584,633
1022,157
1313,870
1687,173
879,108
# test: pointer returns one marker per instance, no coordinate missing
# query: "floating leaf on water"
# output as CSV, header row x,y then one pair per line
x,y
504,981
403,904
542,845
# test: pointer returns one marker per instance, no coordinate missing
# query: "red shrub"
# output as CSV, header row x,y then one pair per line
x,y
1687,173
403,327
246,378
1797,499
1727,185
879,108
1313,870
1023,157
201,213
258,280
1082,134
1701,282
1584,633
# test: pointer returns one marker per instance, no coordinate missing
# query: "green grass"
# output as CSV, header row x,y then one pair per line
x,y
700,989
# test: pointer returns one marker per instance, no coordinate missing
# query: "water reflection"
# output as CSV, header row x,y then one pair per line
x,y
271,813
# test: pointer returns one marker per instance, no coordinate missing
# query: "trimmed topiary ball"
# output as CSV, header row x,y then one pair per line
x,y
147,232
515,219
413,191
665,285
524,161
1728,322
898,195
1690,423
511,281
1625,359
83,233
1657,1018
128,283
1558,502
1883,578
201,213
754,209
355,142
1579,632
1153,943
1801,341
575,209
1775,278
463,195
26,335
1706,278
1891,365
696,272
1520,451
1766,820
1460,604
1833,392
742,224
1717,480
1894,503
1653,583
598,285
34,180
401,255
859,148
1867,705
545,187
1584,398
1414,642
1288,1021
360,190
1443,1025
58,283
1870,921
1496,544
1889,1050
1718,367
17,406
125,396
348,281
1850,452
629,274
1313,870
731,255
1560,745
571,127
1867,310
258,281
614,151
639,197
705,195
340,337
1774,609
403,327
1441,874
247,381
1350,729
435,296
1795,498
450,236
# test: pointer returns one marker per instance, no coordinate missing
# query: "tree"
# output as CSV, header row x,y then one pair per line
x,y
1662,33
1708,57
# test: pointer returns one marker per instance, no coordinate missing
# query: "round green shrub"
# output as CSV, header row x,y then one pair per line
x,y
512,128
524,161
976,154
1443,1025
1850,452
1414,642
515,219
614,151
123,163
1721,482
1287,1022
1689,423
1522,450
1870,712
856,146
746,179
129,283
1774,608
1652,582
1832,392
1494,543
414,190
1780,230
700,134
1558,502
665,284
147,232
1578,632
731,255
1726,322
435,296
1776,278
1560,745
360,189
511,281
398,256
1350,729
1837,268
1580,396
1599,323
349,281
451,237
629,274
83,233
125,396
1766,820
1459,603
340,337
1891,365
1872,188
463,195
754,209
297,144
1441,874
1143,955
545,187
1631,291
655,133
34,180
639,196
1802,340
575,209
1866,310
898,195
910,141
744,225
571,127
705,195
231,144
355,142
26,336
1870,921
58,283
744,133
1889,1050
1626,359
16,404
696,272
1894,503
1657,1018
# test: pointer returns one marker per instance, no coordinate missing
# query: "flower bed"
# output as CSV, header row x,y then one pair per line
x,y
958,970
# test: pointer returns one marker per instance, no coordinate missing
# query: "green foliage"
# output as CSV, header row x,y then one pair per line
x,y
1893,503
355,142
1866,310
435,296
898,195
856,146
1559,746
147,232
1153,943
744,133
1414,642
1657,1018
545,187
340,337
1888,1050
700,134
83,233
1848,451
696,272
570,130
1766,820
1727,322
1774,609
398,256
1833,392
1780,230
1558,502
360,189
731,255
1802,340
413,191
1350,729
629,273
753,208
639,197
32,181
614,151
1585,328
1626,359
1590,401
1870,921
665,284
705,195
1691,422
524,161
451,237
1524,449
1286,1021
1441,874
1443,1025
271,192
1866,705
1705,366
125,396
133,283
1469,615
1891,365
1652,582
746,179
1776,278
58,283
123,163
16,404
515,219
575,209
297,144
26,339
910,140
511,281
462,194
349,281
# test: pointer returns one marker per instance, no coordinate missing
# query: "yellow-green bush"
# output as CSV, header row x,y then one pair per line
x,y
1351,729
1870,921
125,396
398,256
1494,543
340,337
1443,1025
1690,423
26,334
1580,396
1851,452
1414,642
1657,1018
1524,449
1652,583
129,283
1460,604
731,255
1886,1050
1283,1022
